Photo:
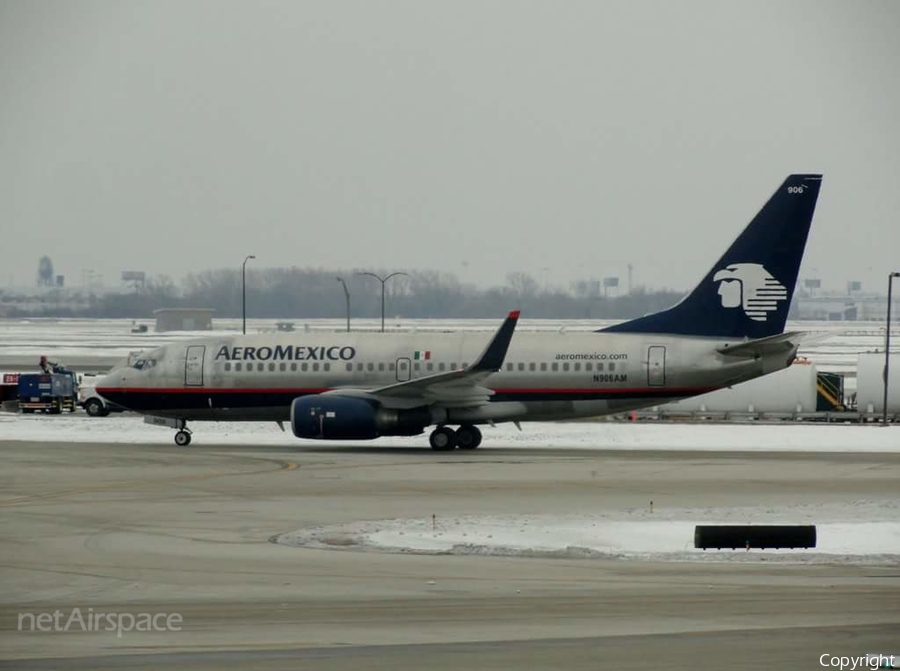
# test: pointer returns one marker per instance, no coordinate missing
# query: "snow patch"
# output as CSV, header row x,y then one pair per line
x,y
865,532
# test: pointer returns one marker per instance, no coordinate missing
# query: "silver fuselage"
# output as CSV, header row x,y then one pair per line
x,y
545,376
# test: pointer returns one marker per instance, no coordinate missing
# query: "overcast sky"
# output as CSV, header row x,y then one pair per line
x,y
565,139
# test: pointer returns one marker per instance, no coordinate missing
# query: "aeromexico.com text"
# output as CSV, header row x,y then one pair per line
x,y
286,353
592,356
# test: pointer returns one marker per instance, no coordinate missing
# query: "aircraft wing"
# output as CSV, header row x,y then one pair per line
x,y
782,342
455,388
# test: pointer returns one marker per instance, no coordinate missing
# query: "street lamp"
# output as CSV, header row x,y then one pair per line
x,y
347,296
887,346
383,280
244,290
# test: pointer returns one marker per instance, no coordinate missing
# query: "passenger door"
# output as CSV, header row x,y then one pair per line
x,y
193,366
656,365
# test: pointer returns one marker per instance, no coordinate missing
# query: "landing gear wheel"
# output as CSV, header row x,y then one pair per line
x,y
93,407
442,439
182,438
468,437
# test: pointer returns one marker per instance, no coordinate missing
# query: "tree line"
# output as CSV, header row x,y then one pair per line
x,y
304,293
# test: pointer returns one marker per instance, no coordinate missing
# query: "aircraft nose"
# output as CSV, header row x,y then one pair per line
x,y
112,380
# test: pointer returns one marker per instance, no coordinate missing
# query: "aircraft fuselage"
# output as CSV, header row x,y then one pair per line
x,y
544,375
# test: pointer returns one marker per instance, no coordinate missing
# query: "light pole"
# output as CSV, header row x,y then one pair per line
x,y
244,291
383,280
887,346
347,296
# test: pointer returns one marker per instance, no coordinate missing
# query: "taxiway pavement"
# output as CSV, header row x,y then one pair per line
x,y
158,529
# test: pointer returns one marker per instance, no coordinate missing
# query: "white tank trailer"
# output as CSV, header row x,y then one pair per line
x,y
792,390
870,383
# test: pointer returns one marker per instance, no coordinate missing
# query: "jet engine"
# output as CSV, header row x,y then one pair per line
x,y
334,417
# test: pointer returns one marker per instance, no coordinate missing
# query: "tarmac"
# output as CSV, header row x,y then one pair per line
x,y
132,529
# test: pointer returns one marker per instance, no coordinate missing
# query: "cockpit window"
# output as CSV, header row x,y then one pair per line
x,y
144,364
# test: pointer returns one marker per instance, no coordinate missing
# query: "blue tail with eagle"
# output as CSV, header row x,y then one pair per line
x,y
747,294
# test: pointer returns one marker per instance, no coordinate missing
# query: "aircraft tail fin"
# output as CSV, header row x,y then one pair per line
x,y
747,294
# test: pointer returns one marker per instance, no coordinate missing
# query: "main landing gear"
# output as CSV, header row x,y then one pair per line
x,y
183,437
466,437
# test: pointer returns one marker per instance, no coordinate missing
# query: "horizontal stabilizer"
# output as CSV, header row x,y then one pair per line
x,y
783,342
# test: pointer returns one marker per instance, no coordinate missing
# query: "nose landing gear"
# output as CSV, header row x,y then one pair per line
x,y
444,439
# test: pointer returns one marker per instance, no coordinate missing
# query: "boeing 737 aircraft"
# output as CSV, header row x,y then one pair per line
x,y
345,386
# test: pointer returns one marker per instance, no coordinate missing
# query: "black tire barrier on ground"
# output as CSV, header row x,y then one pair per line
x,y
770,536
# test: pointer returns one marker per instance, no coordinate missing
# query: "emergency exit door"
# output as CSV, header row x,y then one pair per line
x,y
193,366
404,367
656,365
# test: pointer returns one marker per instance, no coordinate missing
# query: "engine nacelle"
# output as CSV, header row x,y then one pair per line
x,y
333,417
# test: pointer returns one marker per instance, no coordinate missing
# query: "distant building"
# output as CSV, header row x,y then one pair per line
x,y
183,319
842,307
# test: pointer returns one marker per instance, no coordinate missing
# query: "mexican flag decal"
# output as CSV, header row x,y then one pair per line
x,y
419,355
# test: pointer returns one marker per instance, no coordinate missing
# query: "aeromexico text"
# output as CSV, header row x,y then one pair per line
x,y
286,353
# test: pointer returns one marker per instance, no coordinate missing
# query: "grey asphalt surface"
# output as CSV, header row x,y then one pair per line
x,y
159,529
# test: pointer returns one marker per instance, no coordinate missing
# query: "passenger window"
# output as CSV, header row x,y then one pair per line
x,y
349,367
465,364
555,366
304,366
599,366
521,367
227,365
316,366
612,367
238,366
588,366
566,366
326,366
380,367
282,366
509,367
429,366
260,367
293,368
271,367
359,367
543,366
442,366
390,366
577,366
417,367
370,367
453,366
532,367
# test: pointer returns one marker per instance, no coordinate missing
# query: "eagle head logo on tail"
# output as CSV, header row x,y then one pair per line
x,y
751,287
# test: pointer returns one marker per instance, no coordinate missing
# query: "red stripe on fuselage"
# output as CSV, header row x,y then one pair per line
x,y
501,390
599,390
206,390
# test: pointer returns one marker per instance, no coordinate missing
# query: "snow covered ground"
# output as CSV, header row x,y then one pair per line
x,y
600,435
867,532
